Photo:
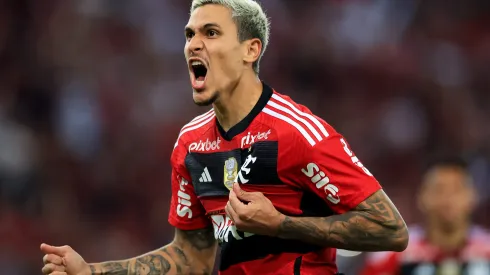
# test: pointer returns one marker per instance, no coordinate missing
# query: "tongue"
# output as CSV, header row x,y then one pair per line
x,y
201,78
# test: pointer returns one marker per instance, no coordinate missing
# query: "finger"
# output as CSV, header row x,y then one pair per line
x,y
57,250
49,268
52,258
231,212
235,202
244,195
58,273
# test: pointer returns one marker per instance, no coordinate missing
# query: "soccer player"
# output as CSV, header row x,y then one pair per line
x,y
448,243
275,185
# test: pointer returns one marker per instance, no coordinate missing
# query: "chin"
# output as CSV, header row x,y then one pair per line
x,y
204,98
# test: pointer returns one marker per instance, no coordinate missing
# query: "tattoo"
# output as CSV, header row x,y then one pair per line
x,y
198,245
374,225
200,239
151,264
111,268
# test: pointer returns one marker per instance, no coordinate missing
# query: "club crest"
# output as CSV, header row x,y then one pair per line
x,y
230,172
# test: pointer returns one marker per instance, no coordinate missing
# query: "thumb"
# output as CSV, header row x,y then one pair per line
x,y
242,194
57,250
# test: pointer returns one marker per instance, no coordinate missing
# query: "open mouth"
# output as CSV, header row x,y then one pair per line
x,y
199,70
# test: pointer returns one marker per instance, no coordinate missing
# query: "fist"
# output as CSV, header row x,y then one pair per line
x,y
253,212
63,260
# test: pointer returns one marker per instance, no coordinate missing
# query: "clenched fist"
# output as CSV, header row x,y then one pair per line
x,y
253,212
63,260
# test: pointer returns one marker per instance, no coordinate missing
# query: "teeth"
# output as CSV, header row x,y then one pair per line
x,y
196,63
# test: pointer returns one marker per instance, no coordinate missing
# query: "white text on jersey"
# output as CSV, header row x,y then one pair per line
x,y
246,169
321,181
223,226
353,158
204,146
251,139
184,206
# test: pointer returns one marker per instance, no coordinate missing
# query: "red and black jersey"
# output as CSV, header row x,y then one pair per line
x,y
280,149
423,258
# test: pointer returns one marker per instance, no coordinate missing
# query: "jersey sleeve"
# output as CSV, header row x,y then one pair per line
x,y
330,169
386,263
186,211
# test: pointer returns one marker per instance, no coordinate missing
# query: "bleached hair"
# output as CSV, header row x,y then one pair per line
x,y
250,19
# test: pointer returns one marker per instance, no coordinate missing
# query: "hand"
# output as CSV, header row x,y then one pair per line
x,y
63,260
252,212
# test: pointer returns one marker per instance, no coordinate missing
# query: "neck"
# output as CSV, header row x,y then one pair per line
x,y
236,104
448,240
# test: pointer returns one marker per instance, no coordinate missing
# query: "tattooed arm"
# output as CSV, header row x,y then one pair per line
x,y
191,252
374,225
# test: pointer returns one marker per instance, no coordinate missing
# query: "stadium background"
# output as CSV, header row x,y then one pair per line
x,y
94,92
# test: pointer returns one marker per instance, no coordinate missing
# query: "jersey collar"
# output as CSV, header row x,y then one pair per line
x,y
244,123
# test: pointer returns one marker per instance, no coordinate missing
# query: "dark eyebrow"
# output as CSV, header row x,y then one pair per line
x,y
206,26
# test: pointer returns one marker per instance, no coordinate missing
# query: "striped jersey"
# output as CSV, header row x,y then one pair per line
x,y
423,258
281,149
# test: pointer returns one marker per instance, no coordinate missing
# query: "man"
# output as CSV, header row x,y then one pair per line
x,y
274,184
448,244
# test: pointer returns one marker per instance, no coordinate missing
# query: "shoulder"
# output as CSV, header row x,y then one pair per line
x,y
479,242
294,122
194,129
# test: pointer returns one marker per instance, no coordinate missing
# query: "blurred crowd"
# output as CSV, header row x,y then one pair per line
x,y
94,92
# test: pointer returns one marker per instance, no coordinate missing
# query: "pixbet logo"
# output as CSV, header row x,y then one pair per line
x,y
204,146
184,206
321,181
251,139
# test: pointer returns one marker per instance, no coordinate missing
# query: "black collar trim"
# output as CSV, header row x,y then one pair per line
x,y
244,123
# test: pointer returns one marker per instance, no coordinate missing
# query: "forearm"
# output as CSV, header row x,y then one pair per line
x,y
168,260
375,225
338,233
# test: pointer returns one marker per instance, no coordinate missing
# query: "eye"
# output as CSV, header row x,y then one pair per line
x,y
212,33
189,35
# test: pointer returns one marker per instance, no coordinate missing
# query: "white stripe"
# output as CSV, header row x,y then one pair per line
x,y
198,119
306,123
293,123
199,116
194,128
312,118
206,172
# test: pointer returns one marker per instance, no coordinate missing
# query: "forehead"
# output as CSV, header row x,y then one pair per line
x,y
446,177
210,13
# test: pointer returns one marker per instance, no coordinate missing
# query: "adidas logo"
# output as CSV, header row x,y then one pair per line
x,y
205,176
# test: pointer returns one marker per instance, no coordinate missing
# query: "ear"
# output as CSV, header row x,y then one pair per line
x,y
253,48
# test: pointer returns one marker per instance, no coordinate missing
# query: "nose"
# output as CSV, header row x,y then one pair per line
x,y
195,45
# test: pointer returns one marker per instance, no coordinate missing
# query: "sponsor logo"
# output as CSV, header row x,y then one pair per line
x,y
224,227
321,181
205,176
204,146
353,158
245,169
230,172
184,206
251,139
